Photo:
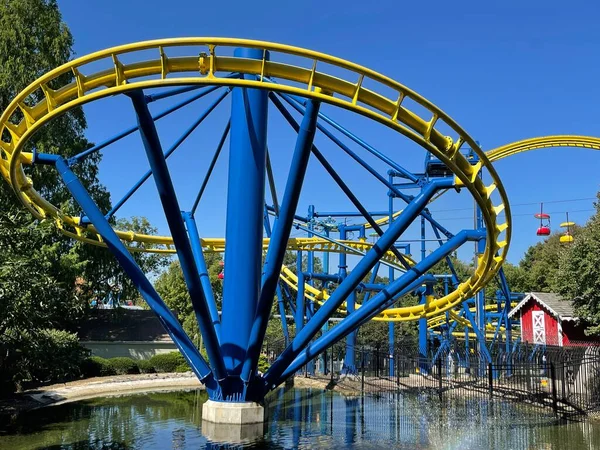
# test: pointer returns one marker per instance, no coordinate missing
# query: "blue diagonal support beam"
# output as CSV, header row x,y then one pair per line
x,y
478,332
397,192
137,276
281,233
211,166
280,299
402,286
379,249
168,153
192,230
170,204
338,179
134,128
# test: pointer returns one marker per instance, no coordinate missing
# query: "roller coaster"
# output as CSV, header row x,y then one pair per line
x,y
259,76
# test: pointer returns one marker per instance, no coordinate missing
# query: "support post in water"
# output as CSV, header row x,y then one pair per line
x,y
490,380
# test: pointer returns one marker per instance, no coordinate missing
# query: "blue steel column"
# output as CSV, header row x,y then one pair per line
x,y
391,325
310,268
280,299
244,227
168,199
480,298
350,358
281,234
423,350
423,344
192,229
142,284
325,284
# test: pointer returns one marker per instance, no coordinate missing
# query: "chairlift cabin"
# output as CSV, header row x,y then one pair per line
x,y
567,238
544,228
543,231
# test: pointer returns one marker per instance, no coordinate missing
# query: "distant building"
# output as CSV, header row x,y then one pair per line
x,y
546,318
135,333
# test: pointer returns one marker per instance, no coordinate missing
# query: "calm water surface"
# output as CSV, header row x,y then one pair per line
x,y
300,418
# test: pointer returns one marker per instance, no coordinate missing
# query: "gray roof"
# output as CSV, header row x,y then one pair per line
x,y
553,302
122,325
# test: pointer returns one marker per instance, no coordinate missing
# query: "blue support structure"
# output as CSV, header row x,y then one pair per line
x,y
423,342
133,129
138,278
244,228
350,358
235,336
211,166
391,325
170,205
192,230
355,277
402,286
281,234
300,303
168,153
280,299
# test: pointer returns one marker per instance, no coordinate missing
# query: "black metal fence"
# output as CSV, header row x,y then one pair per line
x,y
566,379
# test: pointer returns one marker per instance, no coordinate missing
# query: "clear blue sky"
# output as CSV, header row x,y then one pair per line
x,y
503,72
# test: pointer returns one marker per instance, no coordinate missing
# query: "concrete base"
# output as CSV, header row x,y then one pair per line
x,y
232,434
230,413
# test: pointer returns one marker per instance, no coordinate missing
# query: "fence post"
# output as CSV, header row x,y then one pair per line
x,y
554,397
377,362
562,379
331,371
397,367
491,379
439,370
528,374
362,370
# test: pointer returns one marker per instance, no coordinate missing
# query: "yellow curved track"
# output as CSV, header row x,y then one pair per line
x,y
209,60
543,142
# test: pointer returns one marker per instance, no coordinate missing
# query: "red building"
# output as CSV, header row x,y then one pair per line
x,y
546,318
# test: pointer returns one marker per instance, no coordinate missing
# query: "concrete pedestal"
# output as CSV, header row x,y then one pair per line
x,y
243,413
232,434
232,422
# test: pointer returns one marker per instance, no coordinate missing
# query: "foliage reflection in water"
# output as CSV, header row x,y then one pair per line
x,y
301,418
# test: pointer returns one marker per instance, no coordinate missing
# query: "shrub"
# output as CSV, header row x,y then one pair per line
x,y
58,356
145,366
123,365
263,363
96,366
181,368
36,356
167,362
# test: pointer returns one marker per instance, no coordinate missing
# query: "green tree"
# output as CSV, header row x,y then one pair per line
x,y
578,275
41,272
172,288
150,263
540,264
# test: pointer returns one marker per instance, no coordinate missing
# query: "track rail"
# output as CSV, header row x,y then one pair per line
x,y
537,143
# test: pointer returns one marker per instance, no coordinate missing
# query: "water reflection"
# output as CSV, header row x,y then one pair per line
x,y
301,419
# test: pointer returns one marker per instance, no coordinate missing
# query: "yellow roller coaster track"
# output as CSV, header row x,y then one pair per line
x,y
543,142
210,61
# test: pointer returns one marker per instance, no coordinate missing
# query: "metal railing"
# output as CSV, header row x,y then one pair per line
x,y
566,379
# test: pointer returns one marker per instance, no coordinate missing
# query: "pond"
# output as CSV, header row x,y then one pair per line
x,y
301,418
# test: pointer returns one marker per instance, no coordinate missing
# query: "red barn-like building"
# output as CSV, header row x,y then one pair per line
x,y
546,318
